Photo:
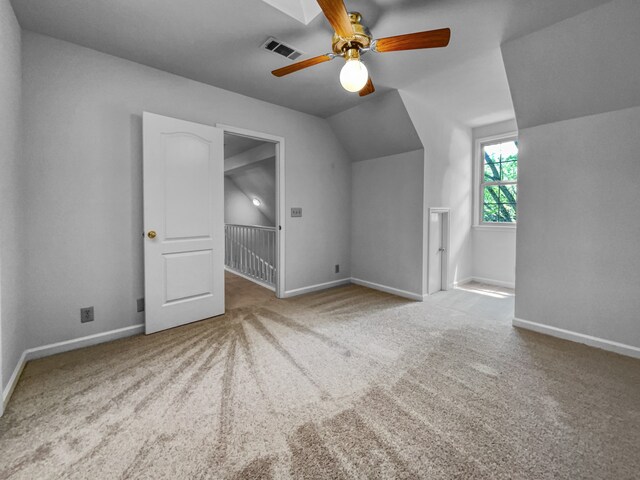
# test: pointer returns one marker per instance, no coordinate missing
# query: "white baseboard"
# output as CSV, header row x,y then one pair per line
x,y
496,283
251,279
74,344
314,288
597,342
460,282
59,347
391,290
13,381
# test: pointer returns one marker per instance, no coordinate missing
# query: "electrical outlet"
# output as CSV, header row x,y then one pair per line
x,y
296,211
337,268
140,305
86,315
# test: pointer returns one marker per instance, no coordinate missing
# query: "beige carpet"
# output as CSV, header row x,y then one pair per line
x,y
346,383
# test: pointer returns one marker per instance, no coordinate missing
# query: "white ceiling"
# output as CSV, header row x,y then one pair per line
x,y
217,42
236,144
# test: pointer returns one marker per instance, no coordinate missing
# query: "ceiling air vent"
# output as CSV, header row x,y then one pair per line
x,y
276,46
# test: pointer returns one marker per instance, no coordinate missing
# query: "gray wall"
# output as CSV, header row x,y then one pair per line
x,y
578,256
83,164
12,329
447,178
239,209
494,255
386,233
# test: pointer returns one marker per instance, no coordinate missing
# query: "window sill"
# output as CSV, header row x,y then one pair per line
x,y
495,228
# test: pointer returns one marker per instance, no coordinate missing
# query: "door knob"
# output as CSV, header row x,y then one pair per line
x,y
152,234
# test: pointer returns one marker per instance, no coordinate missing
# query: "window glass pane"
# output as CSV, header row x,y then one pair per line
x,y
491,172
492,153
499,213
509,151
502,152
500,204
507,213
492,194
500,164
509,171
490,212
508,193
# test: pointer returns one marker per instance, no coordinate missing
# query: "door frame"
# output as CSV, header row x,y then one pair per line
x,y
444,258
280,196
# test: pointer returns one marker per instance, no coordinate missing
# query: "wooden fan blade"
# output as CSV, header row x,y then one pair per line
x,y
367,89
281,72
336,13
412,41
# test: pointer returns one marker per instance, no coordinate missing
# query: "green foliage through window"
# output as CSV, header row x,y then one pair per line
x,y
499,182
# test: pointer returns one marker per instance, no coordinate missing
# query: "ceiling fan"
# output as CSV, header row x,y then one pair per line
x,y
352,39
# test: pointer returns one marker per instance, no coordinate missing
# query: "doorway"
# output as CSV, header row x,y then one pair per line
x,y
250,229
438,250
254,207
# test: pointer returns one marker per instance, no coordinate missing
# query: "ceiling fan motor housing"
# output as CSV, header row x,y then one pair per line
x,y
361,36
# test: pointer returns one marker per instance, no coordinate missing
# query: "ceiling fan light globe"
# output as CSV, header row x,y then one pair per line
x,y
353,76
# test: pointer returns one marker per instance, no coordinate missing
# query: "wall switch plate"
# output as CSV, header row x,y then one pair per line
x,y
86,315
337,268
140,305
296,211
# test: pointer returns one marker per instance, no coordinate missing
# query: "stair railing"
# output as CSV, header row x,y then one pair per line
x,y
251,251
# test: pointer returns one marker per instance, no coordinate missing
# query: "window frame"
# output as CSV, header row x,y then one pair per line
x,y
479,182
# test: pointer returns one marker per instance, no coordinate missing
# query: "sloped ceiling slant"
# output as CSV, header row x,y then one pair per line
x,y
302,10
377,128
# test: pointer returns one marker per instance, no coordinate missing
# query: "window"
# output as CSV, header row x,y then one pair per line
x,y
499,182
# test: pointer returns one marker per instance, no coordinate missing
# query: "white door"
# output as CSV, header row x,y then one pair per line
x,y
435,252
183,222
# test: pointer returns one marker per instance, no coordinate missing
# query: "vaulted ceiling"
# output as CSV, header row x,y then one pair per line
x,y
218,42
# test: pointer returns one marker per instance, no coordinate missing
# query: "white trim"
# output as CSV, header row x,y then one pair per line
x,y
444,259
89,340
244,132
496,283
281,216
495,228
251,279
280,196
596,342
65,346
314,288
13,381
386,289
459,282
